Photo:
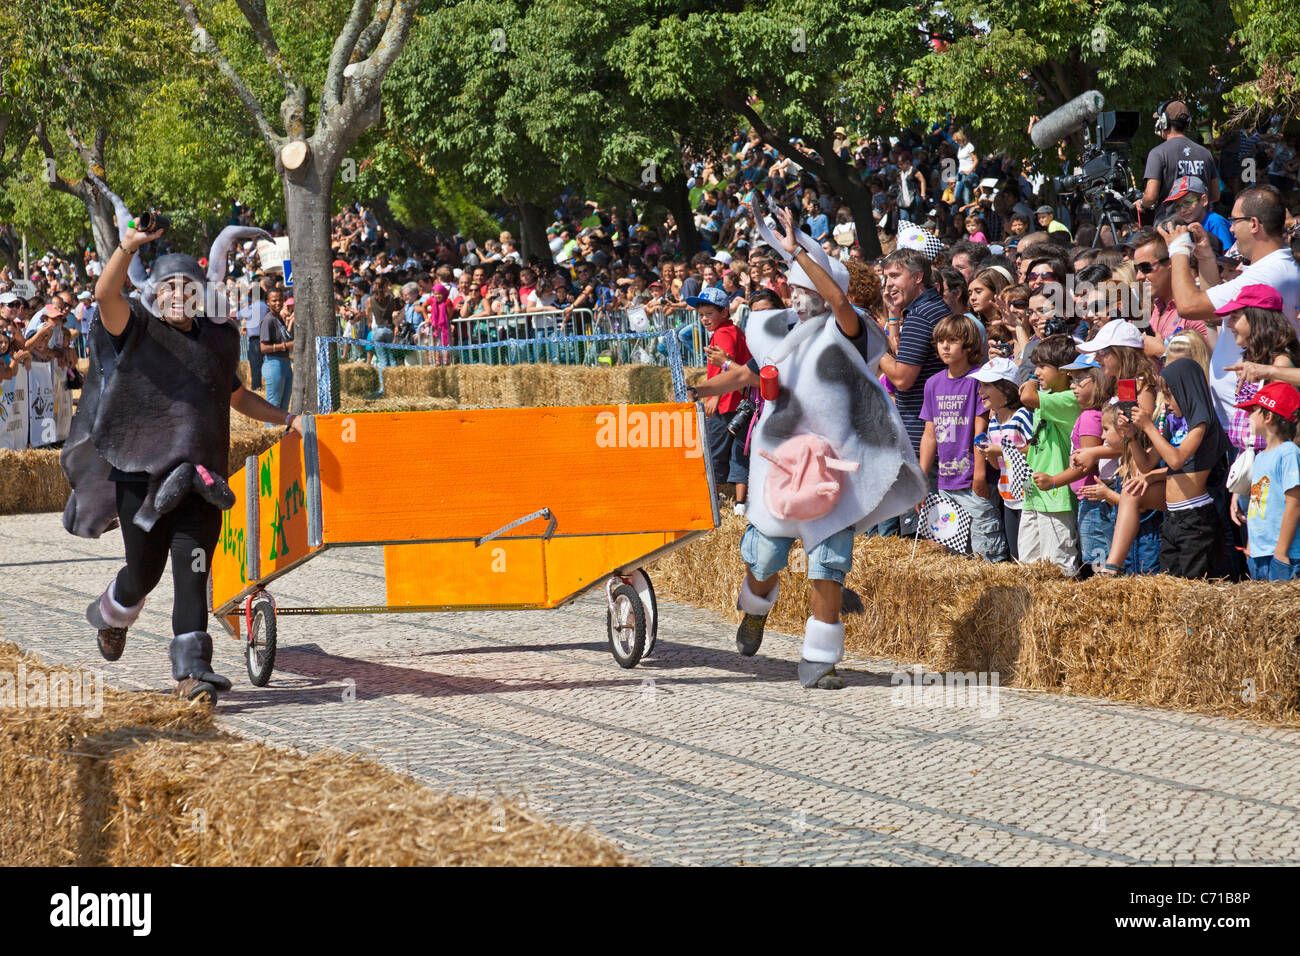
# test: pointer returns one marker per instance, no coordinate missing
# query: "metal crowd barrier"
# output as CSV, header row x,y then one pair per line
x,y
588,337
331,349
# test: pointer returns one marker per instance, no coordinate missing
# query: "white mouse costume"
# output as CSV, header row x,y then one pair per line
x,y
832,424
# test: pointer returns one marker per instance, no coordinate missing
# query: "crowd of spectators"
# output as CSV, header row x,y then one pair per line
x,y
1082,390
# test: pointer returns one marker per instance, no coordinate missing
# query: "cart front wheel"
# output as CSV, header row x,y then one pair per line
x,y
259,653
625,620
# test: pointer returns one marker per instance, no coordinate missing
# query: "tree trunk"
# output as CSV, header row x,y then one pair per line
x,y
9,248
307,209
384,216
844,179
532,232
678,200
100,211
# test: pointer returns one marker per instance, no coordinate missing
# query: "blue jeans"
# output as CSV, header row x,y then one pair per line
x,y
277,373
383,356
1269,568
1096,528
964,190
830,560
886,529
986,538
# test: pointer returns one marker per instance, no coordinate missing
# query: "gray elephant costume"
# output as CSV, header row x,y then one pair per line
x,y
830,452
152,431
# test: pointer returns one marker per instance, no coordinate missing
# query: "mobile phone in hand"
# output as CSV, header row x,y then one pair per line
x,y
1126,394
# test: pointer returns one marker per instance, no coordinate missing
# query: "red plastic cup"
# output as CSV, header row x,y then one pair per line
x,y
769,385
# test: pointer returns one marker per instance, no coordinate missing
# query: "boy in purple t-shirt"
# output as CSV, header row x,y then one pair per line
x,y
951,410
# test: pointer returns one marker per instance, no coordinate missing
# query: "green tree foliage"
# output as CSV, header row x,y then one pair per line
x,y
1268,78
1000,63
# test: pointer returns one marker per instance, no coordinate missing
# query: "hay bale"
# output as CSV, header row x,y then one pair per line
x,y
150,781
245,443
361,403
32,481
412,381
358,378
1217,648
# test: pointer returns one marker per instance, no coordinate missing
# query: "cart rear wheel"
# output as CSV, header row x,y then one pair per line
x,y
259,652
645,590
626,624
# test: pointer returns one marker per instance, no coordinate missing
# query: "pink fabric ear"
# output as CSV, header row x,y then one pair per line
x,y
804,481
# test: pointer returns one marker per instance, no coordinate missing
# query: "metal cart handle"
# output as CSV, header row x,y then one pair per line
x,y
543,513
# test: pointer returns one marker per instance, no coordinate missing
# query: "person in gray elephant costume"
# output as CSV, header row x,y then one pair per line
x,y
149,446
830,451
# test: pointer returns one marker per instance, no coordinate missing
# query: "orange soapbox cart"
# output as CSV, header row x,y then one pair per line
x,y
502,509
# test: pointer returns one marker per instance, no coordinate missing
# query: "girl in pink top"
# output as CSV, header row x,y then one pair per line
x,y
440,320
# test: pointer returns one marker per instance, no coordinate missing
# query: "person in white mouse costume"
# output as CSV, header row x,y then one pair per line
x,y
829,452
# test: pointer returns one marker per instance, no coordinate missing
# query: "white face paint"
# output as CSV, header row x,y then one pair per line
x,y
806,303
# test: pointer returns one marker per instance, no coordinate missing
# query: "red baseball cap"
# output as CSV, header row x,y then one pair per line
x,y
1276,397
1184,185
1257,296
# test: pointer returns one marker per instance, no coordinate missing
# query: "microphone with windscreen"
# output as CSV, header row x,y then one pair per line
x,y
1065,120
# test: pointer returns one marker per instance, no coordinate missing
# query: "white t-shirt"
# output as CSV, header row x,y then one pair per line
x,y
1277,269
966,159
545,301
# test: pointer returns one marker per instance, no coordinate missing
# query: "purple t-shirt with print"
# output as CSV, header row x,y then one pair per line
x,y
953,404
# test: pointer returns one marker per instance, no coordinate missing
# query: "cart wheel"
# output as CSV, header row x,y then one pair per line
x,y
626,625
259,652
645,590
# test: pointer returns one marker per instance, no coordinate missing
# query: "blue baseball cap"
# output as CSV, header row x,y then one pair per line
x,y
1086,360
711,296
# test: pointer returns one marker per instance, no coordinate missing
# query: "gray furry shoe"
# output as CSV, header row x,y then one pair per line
x,y
814,674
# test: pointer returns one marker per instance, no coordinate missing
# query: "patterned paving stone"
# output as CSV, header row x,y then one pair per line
x,y
699,756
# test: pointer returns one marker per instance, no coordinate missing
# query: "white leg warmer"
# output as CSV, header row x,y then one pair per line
x,y
114,614
822,642
751,603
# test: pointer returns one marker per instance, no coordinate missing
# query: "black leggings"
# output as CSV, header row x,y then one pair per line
x,y
189,533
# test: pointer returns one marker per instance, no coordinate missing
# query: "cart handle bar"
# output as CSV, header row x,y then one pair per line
x,y
543,513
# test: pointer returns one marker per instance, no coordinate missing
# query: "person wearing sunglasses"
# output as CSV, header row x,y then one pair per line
x,y
1152,263
1191,203
1042,270
1258,219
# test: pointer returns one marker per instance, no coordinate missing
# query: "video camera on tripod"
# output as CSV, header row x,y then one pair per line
x,y
1105,179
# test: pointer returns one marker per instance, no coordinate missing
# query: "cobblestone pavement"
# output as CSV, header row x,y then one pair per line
x,y
699,756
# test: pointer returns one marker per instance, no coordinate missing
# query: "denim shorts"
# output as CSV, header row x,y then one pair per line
x,y
828,561
1266,569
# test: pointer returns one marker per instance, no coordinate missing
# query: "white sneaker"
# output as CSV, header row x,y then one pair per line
x,y
740,508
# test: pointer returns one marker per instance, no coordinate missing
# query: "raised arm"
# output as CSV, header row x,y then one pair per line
x,y
113,309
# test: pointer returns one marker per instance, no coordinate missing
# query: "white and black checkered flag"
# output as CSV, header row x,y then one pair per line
x,y
943,520
1018,473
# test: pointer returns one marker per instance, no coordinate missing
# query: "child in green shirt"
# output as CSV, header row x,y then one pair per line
x,y
1048,528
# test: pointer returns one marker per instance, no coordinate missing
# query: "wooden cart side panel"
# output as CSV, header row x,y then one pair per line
x,y
533,572
466,473
281,537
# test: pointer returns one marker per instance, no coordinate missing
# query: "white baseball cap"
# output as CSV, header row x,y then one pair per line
x,y
722,256
997,370
1116,332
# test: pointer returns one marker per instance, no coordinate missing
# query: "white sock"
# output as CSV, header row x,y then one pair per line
x,y
823,642
751,603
